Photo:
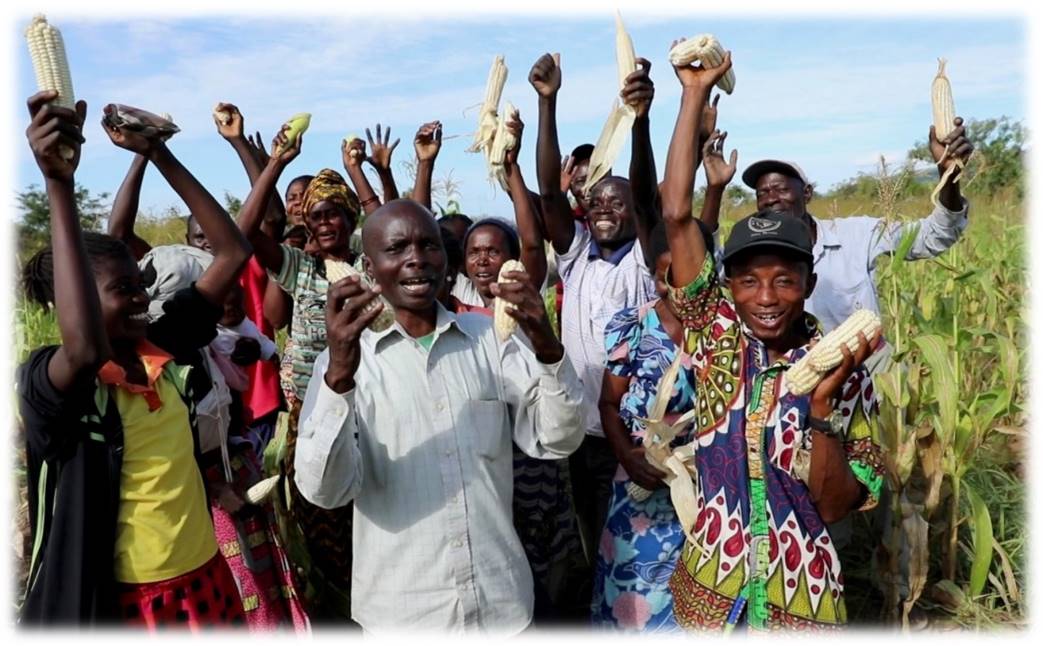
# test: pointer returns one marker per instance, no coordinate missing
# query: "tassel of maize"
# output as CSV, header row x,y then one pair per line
x,y
483,137
943,112
504,323
298,124
51,66
626,60
338,269
706,49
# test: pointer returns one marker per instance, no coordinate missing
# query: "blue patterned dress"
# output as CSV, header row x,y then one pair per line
x,y
641,540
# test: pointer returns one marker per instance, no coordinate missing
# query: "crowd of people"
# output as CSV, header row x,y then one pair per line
x,y
399,466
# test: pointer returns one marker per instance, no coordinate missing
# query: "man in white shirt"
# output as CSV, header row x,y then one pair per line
x,y
846,249
415,425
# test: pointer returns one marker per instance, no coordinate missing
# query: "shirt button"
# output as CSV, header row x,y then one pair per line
x,y
449,453
454,499
458,543
439,407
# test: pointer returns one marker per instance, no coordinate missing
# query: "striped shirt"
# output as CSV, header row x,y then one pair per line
x,y
595,289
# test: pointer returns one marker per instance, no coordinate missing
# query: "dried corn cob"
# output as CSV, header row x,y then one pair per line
x,y
483,137
298,124
223,117
706,49
504,323
51,66
261,491
501,143
809,370
626,61
943,112
338,269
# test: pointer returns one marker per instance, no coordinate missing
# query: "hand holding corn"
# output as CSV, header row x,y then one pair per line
x,y
529,312
703,77
52,128
380,157
718,171
830,389
545,75
348,313
135,142
515,127
638,89
229,121
428,141
285,150
353,152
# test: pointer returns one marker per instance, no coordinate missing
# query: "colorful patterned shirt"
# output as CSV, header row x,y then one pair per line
x,y
758,537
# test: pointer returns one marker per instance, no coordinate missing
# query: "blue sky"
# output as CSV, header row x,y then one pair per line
x,y
831,93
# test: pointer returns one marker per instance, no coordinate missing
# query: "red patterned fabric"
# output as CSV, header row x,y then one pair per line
x,y
262,397
203,598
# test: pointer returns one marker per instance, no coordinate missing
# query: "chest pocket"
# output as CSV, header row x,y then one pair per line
x,y
488,423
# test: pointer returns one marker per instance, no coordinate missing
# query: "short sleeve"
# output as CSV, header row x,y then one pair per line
x,y
622,336
697,301
49,417
859,407
580,244
189,322
292,257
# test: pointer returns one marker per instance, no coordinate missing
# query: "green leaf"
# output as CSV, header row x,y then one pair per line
x,y
905,244
990,406
936,354
982,535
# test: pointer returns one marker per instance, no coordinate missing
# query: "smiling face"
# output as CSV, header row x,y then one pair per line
x,y
487,250
404,255
769,291
611,214
330,226
295,201
782,193
124,303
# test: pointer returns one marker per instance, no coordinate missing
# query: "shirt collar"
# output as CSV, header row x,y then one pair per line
x,y
826,237
154,358
444,321
594,251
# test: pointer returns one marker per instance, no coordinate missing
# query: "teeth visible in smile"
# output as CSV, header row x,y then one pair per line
x,y
768,318
602,226
140,317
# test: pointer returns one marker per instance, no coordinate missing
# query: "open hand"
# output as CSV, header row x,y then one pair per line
x,y
718,171
380,158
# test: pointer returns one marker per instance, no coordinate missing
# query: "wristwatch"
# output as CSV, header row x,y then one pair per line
x,y
832,426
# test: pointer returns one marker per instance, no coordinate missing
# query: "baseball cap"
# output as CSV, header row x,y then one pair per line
x,y
764,166
769,229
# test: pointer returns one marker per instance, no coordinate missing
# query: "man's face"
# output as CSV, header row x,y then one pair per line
x,y
195,237
769,292
611,215
782,193
487,250
576,185
405,257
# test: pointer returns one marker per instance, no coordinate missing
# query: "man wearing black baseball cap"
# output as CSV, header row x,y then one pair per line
x,y
771,467
846,249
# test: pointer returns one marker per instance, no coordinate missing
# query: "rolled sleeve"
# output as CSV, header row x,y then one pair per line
x,y
697,301
286,277
327,461
546,401
934,234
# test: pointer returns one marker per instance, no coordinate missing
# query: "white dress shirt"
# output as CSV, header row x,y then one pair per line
x,y
846,251
595,289
422,444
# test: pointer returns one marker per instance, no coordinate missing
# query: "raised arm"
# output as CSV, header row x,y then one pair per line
x,y
278,305
427,143
638,93
380,159
545,77
682,231
230,248
353,153
718,174
85,346
125,208
533,255
267,250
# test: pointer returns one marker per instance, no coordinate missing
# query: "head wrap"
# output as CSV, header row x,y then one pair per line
x,y
329,186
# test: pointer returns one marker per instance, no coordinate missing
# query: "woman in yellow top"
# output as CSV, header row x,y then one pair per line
x,y
121,530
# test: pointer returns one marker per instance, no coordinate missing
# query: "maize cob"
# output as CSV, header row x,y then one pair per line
x,y
338,269
942,106
51,66
298,124
261,491
504,323
801,378
613,136
826,354
223,117
626,61
483,137
706,49
347,142
943,111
